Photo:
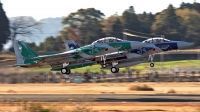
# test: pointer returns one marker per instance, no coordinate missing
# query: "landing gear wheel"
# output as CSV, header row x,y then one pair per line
x,y
151,64
117,70
114,70
63,71
103,65
68,71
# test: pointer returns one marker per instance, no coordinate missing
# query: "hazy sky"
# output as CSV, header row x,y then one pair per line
x,y
56,8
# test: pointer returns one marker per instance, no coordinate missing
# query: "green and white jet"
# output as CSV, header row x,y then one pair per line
x,y
75,57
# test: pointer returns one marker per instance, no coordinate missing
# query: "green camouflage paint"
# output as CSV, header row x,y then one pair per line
x,y
74,66
77,57
91,51
26,51
122,45
28,54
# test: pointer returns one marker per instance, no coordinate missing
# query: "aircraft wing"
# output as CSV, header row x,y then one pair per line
x,y
59,55
71,57
111,55
58,59
143,51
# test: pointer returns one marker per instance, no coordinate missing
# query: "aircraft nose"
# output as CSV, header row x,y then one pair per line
x,y
136,44
182,44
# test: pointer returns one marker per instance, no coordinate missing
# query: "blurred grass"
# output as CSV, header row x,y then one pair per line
x,y
140,67
7,57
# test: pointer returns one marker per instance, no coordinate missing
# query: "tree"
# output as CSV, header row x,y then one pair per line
x,y
167,23
69,33
87,23
194,6
52,44
130,20
117,29
146,22
141,17
24,26
4,27
190,21
112,26
33,46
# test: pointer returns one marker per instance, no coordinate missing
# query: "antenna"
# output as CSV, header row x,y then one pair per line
x,y
124,35
128,32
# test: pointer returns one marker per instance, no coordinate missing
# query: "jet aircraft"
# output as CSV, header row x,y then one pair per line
x,y
75,57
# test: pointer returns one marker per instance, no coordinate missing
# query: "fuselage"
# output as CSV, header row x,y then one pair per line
x,y
99,47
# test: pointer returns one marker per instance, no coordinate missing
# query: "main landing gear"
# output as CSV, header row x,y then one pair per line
x,y
151,56
65,71
114,69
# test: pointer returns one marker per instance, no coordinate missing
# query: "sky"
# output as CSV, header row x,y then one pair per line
x,y
40,9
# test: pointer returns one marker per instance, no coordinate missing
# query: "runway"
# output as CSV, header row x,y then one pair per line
x,y
103,97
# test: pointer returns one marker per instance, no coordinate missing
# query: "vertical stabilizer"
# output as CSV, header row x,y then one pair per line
x,y
23,52
70,45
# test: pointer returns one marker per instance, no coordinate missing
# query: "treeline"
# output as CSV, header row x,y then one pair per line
x,y
4,27
88,25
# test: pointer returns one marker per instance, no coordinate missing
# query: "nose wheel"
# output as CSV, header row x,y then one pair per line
x,y
103,58
114,70
65,71
151,56
151,64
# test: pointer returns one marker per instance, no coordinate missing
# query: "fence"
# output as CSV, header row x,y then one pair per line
x,y
94,77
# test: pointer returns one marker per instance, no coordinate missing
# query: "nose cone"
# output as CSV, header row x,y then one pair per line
x,y
136,44
182,44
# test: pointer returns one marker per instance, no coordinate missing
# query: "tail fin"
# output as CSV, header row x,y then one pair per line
x,y
23,53
70,45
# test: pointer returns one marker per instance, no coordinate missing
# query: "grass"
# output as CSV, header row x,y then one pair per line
x,y
140,68
27,106
102,107
141,88
100,88
6,57
171,91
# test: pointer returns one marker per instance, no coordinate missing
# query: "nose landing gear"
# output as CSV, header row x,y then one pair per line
x,y
151,64
103,58
151,56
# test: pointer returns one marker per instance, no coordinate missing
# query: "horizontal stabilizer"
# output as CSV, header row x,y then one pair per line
x,y
21,65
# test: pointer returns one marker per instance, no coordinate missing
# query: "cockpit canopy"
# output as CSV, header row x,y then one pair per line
x,y
107,40
155,40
